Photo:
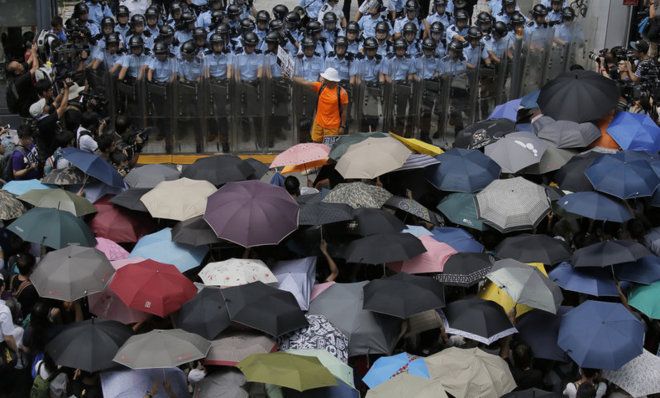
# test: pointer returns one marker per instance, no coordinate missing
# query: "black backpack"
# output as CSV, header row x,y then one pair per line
x,y
12,97
8,172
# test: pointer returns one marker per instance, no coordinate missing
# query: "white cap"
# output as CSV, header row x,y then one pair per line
x,y
331,75
75,90
37,107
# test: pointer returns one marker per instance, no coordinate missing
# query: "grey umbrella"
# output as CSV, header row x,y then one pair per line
x,y
148,176
358,194
368,333
225,383
162,349
513,204
130,199
553,159
410,206
516,151
566,134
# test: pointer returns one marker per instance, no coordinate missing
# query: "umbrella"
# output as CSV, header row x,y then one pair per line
x,y
418,146
226,383
526,285
178,199
301,154
639,377
58,199
539,330
343,142
625,179
337,367
297,276
117,224
231,348
88,345
458,238
601,335
320,334
463,170
152,287
20,187
417,231
634,131
603,254
513,204
288,370
106,305
117,264
465,269
111,250
341,390
150,175
530,248
387,367
376,221
553,159
236,272
194,232
252,213
595,206
516,151
11,207
571,177
433,260
479,320
471,372
652,240
594,282
321,213
94,166
644,271
133,383
160,247
320,288
358,194
130,199
579,96
205,314
260,169
533,393
219,169
162,349
368,333
359,162
403,295
483,133
566,134
383,248
418,161
529,101
405,384
264,308
411,206
507,110
95,190
645,299
64,177
52,228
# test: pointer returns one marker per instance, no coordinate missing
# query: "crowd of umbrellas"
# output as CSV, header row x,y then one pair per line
x,y
155,244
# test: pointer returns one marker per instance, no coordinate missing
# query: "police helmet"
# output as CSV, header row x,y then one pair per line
x,y
400,44
567,14
215,3
438,3
216,38
460,4
461,15
188,17
484,18
122,11
341,41
314,27
112,38
275,24
107,21
382,26
166,31
370,43
175,7
409,27
539,10
455,45
301,11
273,37
199,32
353,26
474,33
217,17
500,28
160,48
329,17
280,11
222,29
437,27
308,42
428,44
137,19
135,42
411,5
292,18
506,3
247,25
263,16
80,9
233,11
188,48
250,39
151,11
517,19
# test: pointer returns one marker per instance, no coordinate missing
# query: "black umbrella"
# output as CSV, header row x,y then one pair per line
x,y
570,177
478,319
219,170
260,169
403,295
465,269
88,345
265,308
578,96
539,330
532,393
205,314
321,213
130,199
483,133
195,232
383,248
603,254
533,248
377,221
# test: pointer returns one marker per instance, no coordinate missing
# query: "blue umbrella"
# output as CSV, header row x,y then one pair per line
x,y
463,170
417,231
529,101
20,187
644,271
387,367
160,247
458,238
595,283
625,179
655,199
539,329
508,110
94,166
595,206
635,131
601,335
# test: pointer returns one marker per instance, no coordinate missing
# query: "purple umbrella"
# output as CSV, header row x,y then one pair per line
x,y
252,213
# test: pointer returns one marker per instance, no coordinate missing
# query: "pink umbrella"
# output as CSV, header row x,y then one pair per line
x,y
111,250
319,288
106,305
116,264
433,260
301,154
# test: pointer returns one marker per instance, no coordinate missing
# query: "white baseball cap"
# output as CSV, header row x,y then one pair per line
x,y
37,107
331,75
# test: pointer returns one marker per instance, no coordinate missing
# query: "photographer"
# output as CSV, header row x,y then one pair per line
x,y
48,118
25,165
20,88
646,66
89,129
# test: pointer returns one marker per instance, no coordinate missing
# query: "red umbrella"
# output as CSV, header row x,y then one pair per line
x,y
153,287
117,224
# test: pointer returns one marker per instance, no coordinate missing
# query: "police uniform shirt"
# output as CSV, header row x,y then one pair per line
x,y
400,22
247,65
203,20
440,50
354,47
323,48
548,3
148,41
183,36
123,31
499,46
342,65
495,6
98,11
109,60
261,34
445,19
217,63
337,9
271,61
200,3
309,68
154,32
535,29
94,29
288,46
191,70
384,48
398,68
312,7
331,36
450,66
555,17
176,50
427,67
473,55
163,70
368,25
134,63
413,49
453,31
368,69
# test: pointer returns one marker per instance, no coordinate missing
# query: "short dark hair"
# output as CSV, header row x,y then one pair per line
x,y
589,372
105,142
25,263
56,21
89,120
586,390
522,356
42,86
64,138
292,185
24,131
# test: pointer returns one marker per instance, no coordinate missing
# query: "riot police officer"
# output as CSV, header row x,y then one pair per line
x,y
231,43
137,29
161,72
248,64
185,27
517,25
134,63
353,38
189,125
427,66
81,17
385,46
133,66
439,14
122,27
484,23
555,16
475,52
234,20
538,27
176,15
280,11
499,42
399,72
460,27
309,64
453,67
292,25
218,68
107,27
509,9
263,18
166,36
322,47
330,29
366,73
312,8
162,68
289,37
110,56
278,89
368,22
410,38
152,17
204,19
97,11
437,33
410,17
568,31
199,38
341,60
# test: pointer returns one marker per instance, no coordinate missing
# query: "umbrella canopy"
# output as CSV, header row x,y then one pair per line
x,y
419,146
413,207
471,372
368,333
478,320
645,299
579,96
359,162
507,110
530,248
625,179
88,345
383,248
58,199
636,132
319,335
387,367
264,308
418,161
601,335
64,177
152,287
298,277
162,349
301,154
652,240
110,249
553,159
513,204
603,254
219,169
232,348
376,221
160,247
644,271
297,372
405,384
94,166
461,209
463,170
566,134
178,199
483,133
639,377
533,393
433,260
194,232
130,199
236,272
417,231
539,330
226,383
342,143
252,213
134,383
321,213
117,224
593,282
150,175
403,295
106,305
516,151
465,269
53,228
571,177
10,207
458,238
595,206
338,368
20,187
205,314
358,194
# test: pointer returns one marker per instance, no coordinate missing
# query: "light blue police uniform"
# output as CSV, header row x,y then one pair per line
x,y
400,22
133,63
163,70
452,67
453,31
499,46
445,19
191,70
217,64
368,69
123,31
203,20
247,65
312,7
271,61
427,67
342,65
368,25
309,68
398,68
98,11
474,55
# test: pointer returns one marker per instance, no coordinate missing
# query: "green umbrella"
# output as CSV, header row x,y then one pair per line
x,y
341,145
461,209
10,207
59,199
338,368
645,299
53,228
297,372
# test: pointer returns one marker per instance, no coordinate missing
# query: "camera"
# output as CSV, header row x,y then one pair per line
x,y
596,56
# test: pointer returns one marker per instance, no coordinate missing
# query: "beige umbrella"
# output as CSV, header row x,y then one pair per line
x,y
236,272
179,200
471,373
235,347
407,385
372,157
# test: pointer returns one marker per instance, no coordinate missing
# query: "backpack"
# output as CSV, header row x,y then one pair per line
x,y
8,172
12,97
41,387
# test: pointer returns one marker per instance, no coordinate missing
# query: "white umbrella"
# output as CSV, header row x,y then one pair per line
x,y
236,272
639,377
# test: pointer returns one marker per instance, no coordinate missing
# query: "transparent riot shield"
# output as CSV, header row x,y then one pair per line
x,y
159,107
517,55
486,90
399,107
502,79
428,104
351,117
131,100
558,59
188,136
103,86
537,48
304,105
217,107
582,42
458,98
279,126
248,105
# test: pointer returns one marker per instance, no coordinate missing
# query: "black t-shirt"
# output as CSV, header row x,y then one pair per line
x,y
47,126
27,95
27,296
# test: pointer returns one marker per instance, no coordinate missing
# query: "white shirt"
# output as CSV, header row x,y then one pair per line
x,y
571,390
135,6
6,322
85,141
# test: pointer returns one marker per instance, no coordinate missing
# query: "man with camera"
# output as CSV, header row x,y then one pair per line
x,y
48,114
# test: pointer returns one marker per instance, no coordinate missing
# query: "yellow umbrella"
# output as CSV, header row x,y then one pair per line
x,y
419,146
493,293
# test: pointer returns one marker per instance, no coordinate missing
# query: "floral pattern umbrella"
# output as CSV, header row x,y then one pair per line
x,y
358,194
320,334
236,272
11,207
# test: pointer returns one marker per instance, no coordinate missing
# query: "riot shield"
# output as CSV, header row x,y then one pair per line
x,y
131,100
217,107
428,105
369,105
461,95
502,79
248,111
280,132
351,116
304,106
188,136
518,53
557,60
159,105
103,85
401,108
537,48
